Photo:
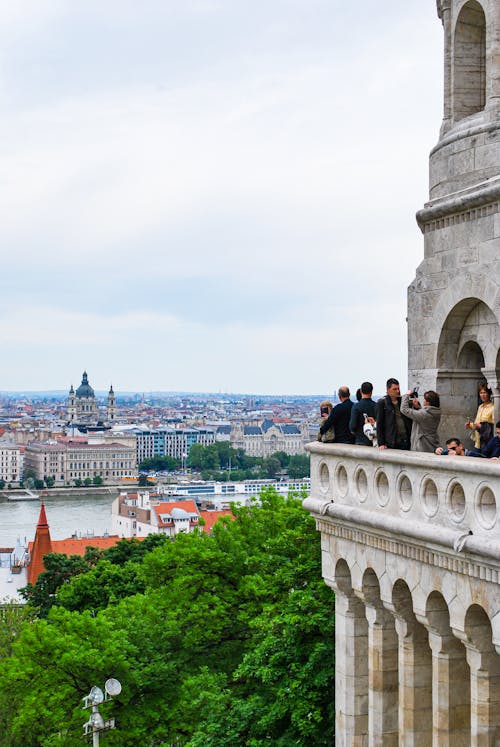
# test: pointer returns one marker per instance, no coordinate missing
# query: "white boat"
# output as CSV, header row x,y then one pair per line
x,y
25,495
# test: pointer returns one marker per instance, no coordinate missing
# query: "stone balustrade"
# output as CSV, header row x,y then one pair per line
x,y
411,546
450,500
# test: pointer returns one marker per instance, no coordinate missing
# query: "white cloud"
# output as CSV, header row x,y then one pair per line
x,y
295,162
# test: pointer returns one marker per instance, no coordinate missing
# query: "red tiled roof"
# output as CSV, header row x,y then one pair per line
x,y
78,546
211,517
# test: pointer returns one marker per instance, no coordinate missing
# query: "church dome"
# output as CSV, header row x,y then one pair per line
x,y
85,390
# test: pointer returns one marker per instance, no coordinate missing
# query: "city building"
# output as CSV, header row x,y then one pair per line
x,y
172,442
11,463
83,410
67,462
264,439
140,514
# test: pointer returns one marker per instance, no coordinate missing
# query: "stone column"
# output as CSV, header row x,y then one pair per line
x,y
351,671
485,696
382,678
493,383
444,11
450,692
415,684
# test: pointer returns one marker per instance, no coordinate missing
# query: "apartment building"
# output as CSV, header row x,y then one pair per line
x,y
11,463
67,462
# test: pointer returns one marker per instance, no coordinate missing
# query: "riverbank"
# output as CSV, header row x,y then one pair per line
x,y
68,492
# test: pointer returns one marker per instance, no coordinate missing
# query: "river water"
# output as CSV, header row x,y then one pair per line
x,y
66,515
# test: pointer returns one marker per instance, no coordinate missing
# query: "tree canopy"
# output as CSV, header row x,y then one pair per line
x,y
218,640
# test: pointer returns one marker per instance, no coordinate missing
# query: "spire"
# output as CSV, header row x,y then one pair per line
x,y
42,545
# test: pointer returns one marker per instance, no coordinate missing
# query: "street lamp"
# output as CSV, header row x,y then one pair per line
x,y
96,724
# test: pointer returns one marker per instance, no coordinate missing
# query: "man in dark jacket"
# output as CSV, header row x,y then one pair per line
x,y
364,407
393,428
339,418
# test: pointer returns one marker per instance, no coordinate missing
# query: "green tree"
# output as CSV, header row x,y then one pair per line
x,y
299,466
97,480
50,481
218,640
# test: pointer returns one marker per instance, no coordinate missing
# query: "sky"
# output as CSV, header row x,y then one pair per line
x,y
212,195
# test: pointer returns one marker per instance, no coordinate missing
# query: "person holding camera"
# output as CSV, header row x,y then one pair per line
x,y
425,418
328,435
393,428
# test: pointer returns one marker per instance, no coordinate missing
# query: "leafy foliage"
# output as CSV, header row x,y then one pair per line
x,y
218,641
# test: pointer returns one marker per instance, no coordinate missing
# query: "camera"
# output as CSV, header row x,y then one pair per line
x,y
414,394
325,411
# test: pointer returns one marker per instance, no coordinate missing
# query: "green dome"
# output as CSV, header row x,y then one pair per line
x,y
85,390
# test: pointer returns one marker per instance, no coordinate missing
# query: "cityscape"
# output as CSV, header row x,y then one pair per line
x,y
249,410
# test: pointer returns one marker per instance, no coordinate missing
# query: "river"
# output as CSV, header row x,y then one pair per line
x,y
66,515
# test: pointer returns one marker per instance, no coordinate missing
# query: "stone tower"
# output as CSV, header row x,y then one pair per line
x,y
454,301
110,410
411,541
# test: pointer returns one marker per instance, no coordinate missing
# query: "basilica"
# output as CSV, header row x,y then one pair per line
x,y
83,410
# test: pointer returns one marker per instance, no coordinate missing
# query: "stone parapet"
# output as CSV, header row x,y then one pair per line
x,y
442,497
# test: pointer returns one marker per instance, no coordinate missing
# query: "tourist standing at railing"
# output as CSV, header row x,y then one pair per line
x,y
363,411
393,428
482,427
339,418
426,419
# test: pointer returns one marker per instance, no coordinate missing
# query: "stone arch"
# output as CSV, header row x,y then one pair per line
x,y
469,61
343,577
467,353
484,663
477,628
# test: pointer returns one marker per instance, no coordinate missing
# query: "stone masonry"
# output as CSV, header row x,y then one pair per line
x,y
454,301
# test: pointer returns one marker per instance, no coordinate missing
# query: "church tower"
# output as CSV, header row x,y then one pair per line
x,y
110,410
71,406
454,300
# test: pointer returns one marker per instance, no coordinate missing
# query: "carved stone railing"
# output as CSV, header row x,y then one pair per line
x,y
450,501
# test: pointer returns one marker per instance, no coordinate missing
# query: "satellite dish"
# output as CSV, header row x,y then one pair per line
x,y
112,686
96,695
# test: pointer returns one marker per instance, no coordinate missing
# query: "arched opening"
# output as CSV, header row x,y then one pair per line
x,y
484,665
469,56
466,337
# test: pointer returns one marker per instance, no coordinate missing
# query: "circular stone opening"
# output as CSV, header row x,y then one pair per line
x,y
430,496
382,487
361,484
456,501
342,479
324,476
486,507
405,492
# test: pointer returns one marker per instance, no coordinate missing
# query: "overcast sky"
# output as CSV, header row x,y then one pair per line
x,y
212,195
